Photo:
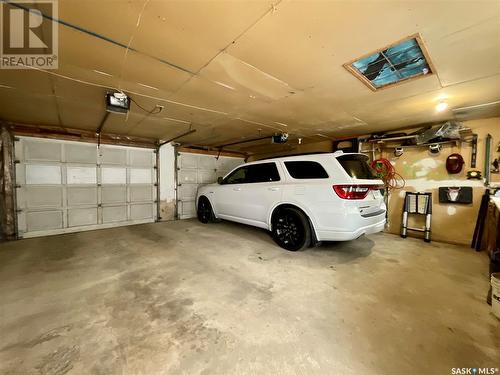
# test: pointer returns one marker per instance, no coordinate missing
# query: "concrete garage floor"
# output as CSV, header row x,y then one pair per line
x,y
187,298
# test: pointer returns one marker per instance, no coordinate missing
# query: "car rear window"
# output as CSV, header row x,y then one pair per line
x,y
357,166
305,169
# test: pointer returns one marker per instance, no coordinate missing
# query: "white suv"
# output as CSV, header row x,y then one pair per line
x,y
301,199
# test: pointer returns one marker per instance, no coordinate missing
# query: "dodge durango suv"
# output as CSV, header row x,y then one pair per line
x,y
302,200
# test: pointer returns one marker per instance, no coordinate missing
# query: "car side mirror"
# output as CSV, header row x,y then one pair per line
x,y
219,180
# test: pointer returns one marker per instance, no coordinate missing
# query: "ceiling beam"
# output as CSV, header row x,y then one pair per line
x,y
190,131
71,134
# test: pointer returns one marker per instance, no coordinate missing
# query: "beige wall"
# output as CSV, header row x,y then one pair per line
x,y
425,172
422,171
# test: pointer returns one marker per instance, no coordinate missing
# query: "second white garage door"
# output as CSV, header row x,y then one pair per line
x,y
198,169
67,186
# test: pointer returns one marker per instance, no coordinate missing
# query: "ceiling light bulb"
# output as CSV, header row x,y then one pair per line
x,y
441,106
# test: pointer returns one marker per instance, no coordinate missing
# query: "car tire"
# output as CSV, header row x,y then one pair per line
x,y
204,212
291,229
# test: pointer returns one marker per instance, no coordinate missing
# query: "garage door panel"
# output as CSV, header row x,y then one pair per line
x,y
19,150
113,194
187,209
21,197
195,170
113,175
82,195
42,151
81,175
42,196
206,177
81,153
20,173
43,174
187,191
187,161
114,214
139,158
66,186
141,176
206,162
141,193
44,220
82,216
226,163
187,176
141,211
110,155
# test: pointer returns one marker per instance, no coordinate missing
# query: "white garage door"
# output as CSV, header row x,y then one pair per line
x,y
198,169
67,186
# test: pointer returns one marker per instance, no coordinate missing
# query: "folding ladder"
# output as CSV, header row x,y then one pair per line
x,y
419,204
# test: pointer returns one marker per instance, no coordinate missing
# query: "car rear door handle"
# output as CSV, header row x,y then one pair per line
x,y
237,189
273,188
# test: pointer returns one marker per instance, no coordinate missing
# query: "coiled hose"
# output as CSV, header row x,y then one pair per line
x,y
385,171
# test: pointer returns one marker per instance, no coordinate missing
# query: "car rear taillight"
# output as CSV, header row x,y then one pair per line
x,y
354,191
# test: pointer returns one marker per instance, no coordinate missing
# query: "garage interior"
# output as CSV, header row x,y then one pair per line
x,y
104,267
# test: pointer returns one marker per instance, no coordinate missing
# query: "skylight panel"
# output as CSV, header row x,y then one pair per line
x,y
401,61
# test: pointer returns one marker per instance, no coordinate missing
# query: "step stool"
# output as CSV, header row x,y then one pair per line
x,y
417,204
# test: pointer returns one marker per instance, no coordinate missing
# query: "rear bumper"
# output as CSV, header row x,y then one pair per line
x,y
327,235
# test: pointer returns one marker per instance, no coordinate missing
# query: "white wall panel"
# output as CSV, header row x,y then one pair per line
x,y
167,173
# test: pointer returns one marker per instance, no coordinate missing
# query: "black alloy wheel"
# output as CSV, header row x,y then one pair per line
x,y
291,230
205,213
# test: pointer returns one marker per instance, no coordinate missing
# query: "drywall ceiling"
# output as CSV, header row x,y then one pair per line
x,y
237,70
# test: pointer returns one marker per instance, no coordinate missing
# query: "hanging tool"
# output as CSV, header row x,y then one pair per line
x,y
480,222
487,160
473,156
